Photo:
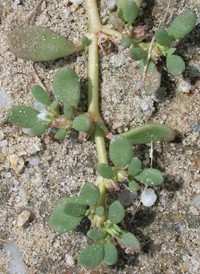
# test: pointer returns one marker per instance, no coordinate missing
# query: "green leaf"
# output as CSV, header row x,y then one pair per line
x,y
68,111
61,134
150,177
135,166
175,64
126,42
105,171
60,221
40,95
116,212
162,37
100,211
85,42
149,133
66,86
37,43
127,10
138,53
133,185
128,241
82,123
90,194
92,255
170,51
23,116
182,25
120,151
96,234
39,128
110,254
76,208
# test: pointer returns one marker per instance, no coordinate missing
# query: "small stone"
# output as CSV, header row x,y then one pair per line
x,y
148,197
196,201
3,143
194,211
184,86
17,163
77,2
111,5
5,101
117,60
34,160
196,127
24,218
127,197
146,104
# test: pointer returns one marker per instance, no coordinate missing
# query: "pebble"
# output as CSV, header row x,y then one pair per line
x,y
196,127
17,163
184,86
146,104
196,201
34,160
16,264
148,197
117,60
111,5
194,211
77,2
24,218
3,143
5,101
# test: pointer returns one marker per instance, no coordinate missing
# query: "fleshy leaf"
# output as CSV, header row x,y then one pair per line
x,y
68,111
37,43
120,151
82,123
60,221
133,185
40,95
138,53
149,133
39,128
90,193
126,42
175,64
76,208
150,177
92,255
23,116
127,10
116,212
105,171
66,87
61,134
135,166
96,234
182,25
100,211
162,37
129,242
110,254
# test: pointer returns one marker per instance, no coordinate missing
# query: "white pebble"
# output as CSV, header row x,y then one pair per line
x,y
3,143
111,5
184,86
16,264
148,197
34,160
196,201
77,2
5,101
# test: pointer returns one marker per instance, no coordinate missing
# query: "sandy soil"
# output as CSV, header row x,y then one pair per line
x,y
36,172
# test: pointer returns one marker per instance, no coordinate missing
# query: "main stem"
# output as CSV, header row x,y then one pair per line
x,y
93,78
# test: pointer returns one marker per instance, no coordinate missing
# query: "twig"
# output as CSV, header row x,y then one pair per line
x,y
33,13
152,42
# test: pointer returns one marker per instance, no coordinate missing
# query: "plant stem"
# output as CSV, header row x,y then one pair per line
x,y
93,96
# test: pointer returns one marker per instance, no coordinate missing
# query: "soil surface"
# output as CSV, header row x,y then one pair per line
x,y
37,172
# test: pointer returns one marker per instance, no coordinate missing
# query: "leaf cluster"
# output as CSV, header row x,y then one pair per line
x,y
60,113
